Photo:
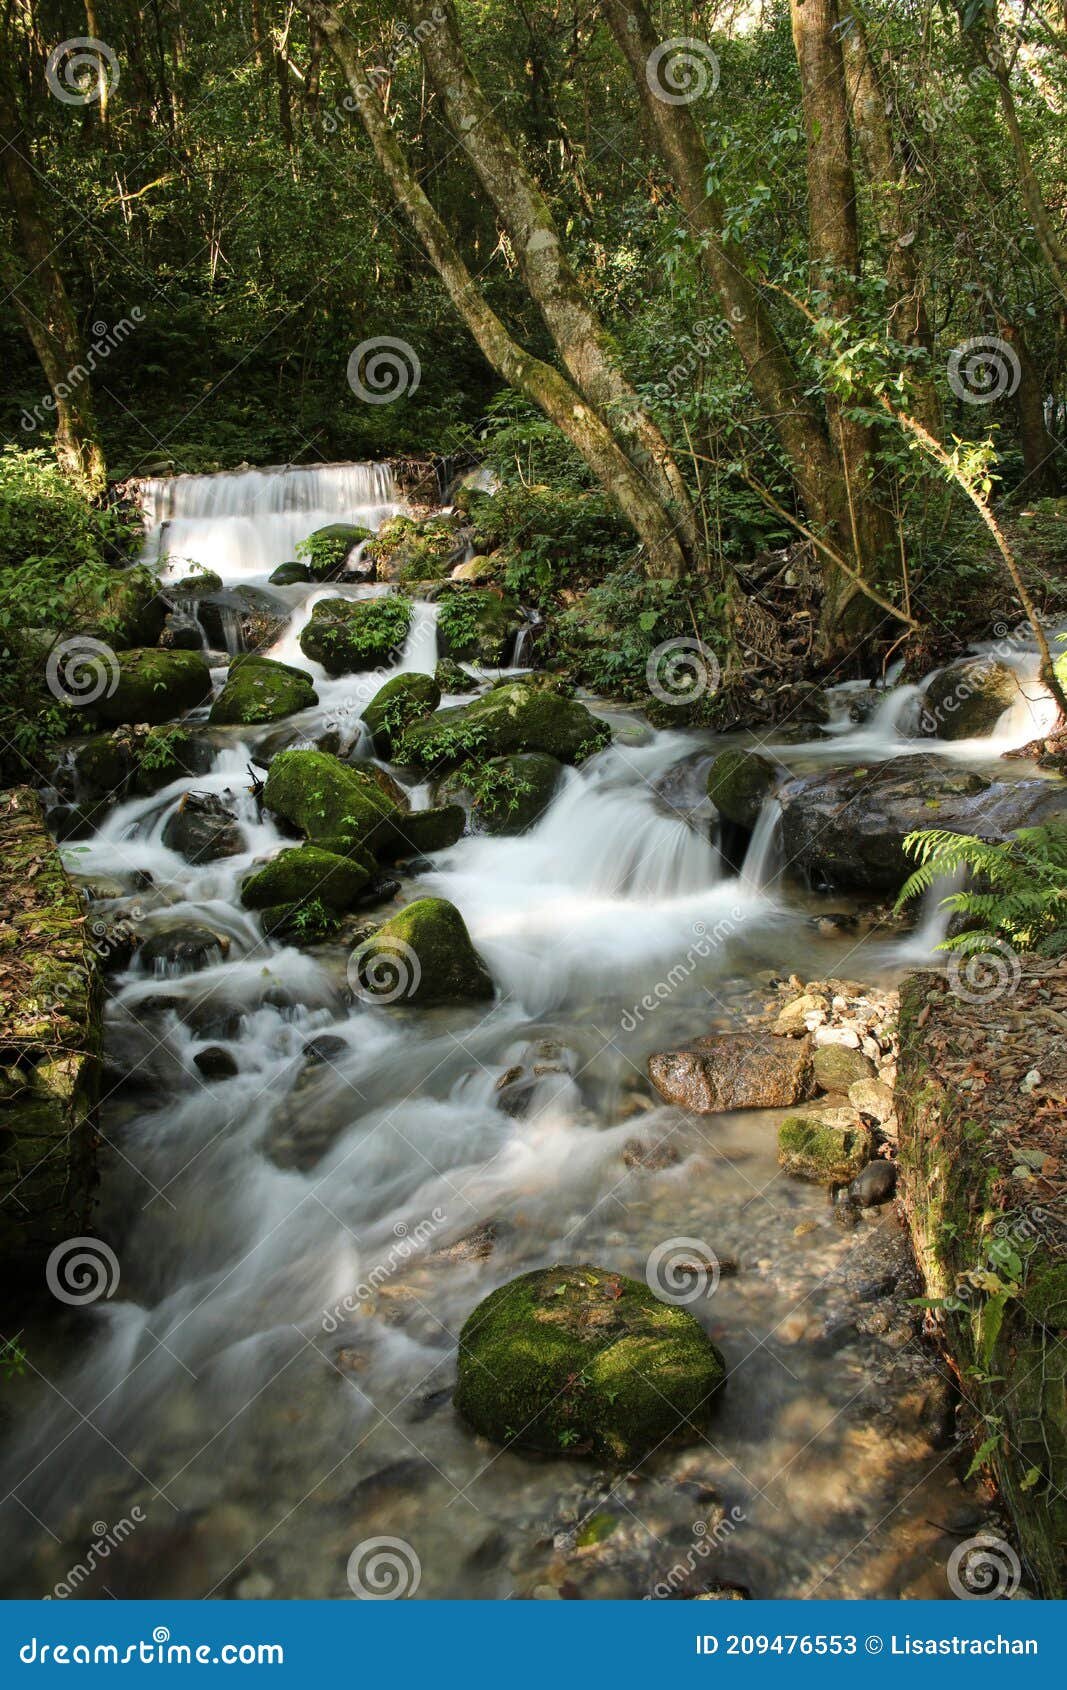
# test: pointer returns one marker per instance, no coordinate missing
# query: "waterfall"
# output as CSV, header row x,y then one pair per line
x,y
763,859
419,656
242,525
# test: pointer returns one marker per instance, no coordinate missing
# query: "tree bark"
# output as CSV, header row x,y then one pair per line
x,y
1039,448
584,345
538,381
44,306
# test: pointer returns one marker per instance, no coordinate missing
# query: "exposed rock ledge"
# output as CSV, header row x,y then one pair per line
x,y
981,1099
50,1034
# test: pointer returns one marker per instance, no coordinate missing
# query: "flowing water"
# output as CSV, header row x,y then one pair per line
x,y
299,1243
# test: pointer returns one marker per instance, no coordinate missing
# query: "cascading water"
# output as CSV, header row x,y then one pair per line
x,y
271,1384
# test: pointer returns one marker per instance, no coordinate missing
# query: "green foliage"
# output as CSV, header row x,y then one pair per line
x,y
498,787
608,637
550,536
1020,890
12,1358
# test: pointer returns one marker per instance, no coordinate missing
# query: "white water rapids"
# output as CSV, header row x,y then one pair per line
x,y
270,1384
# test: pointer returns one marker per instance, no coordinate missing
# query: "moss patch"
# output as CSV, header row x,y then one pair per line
x,y
348,636
510,718
258,689
427,952
334,805
817,1151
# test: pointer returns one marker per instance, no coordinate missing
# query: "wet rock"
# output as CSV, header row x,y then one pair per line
x,y
802,1014
817,1150
876,1184
214,1063
507,795
636,1153
181,632
424,955
242,619
836,1068
203,829
582,1360
303,874
400,702
477,625
734,1071
290,574
846,827
475,1245
154,686
509,718
422,832
451,678
193,587
182,950
332,552
257,689
738,783
348,636
966,700
325,1047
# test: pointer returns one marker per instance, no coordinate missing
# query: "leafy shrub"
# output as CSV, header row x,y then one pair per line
x,y
607,638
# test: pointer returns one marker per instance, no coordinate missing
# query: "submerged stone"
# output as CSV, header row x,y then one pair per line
x,y
581,1360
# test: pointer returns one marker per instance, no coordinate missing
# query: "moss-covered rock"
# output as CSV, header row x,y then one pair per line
x,y
50,1011
258,689
290,574
348,636
303,873
817,1150
837,1067
423,831
580,1360
451,678
328,551
154,686
403,700
966,700
408,551
427,953
334,805
738,784
507,795
509,718
476,625
192,587
135,760
132,612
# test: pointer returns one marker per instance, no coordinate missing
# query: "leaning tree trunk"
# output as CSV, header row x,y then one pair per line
x,y
1039,448
44,308
833,244
539,382
583,343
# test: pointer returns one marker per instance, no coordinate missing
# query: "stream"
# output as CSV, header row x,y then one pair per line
x,y
269,1387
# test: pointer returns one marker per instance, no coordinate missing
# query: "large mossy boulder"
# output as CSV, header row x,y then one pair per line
x,y
403,700
154,686
476,624
822,1149
424,955
967,700
334,805
291,574
507,795
738,783
304,874
409,551
348,636
421,832
258,689
510,718
583,1361
134,761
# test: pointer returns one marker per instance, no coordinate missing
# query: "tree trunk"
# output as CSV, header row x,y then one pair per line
x,y
538,381
1039,448
833,243
583,343
44,306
